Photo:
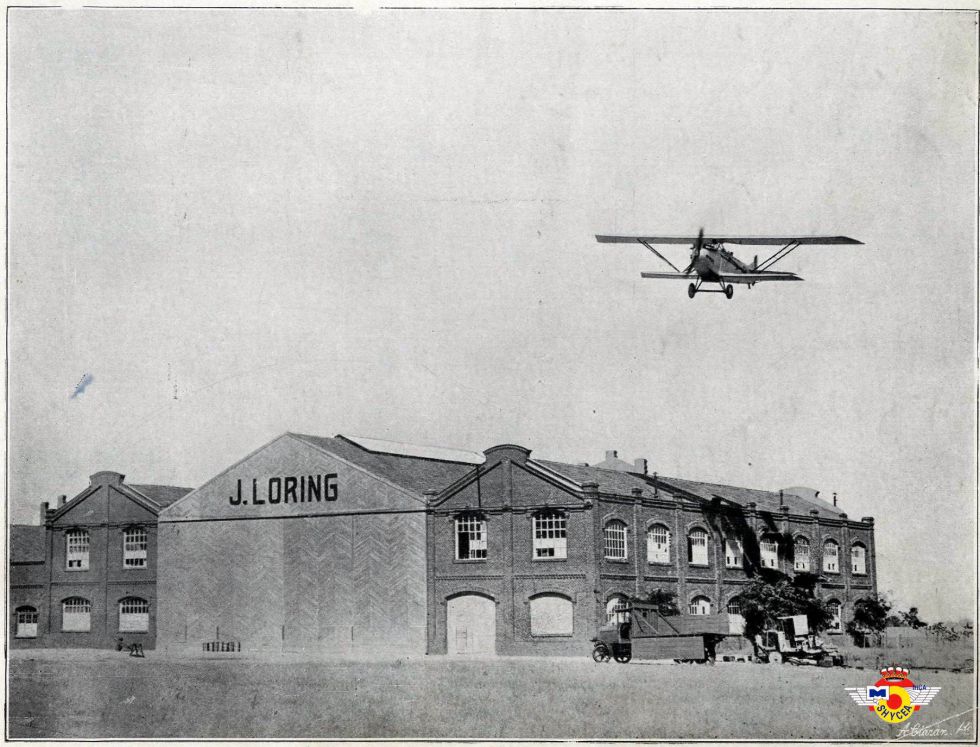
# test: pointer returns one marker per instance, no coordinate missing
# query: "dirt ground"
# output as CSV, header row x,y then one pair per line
x,y
65,694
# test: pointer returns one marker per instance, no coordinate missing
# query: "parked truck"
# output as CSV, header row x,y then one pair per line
x,y
639,631
792,641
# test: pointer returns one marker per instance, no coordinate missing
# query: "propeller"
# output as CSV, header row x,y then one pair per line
x,y
695,251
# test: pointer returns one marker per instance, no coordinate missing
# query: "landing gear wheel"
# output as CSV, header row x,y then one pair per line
x,y
729,291
623,657
691,290
600,654
775,657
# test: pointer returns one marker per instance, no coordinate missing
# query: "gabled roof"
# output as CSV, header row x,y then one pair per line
x,y
609,480
622,483
162,495
26,543
765,500
415,473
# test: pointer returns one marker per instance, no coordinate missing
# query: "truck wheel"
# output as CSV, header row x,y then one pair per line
x,y
775,657
600,654
623,657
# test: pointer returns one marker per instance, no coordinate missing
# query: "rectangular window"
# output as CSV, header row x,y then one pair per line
x,y
857,561
697,547
134,548
801,556
76,550
830,558
769,553
658,545
615,536
26,623
549,535
76,616
134,616
733,553
471,538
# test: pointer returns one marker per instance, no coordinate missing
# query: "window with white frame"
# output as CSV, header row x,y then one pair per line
x,y
551,614
471,537
801,554
550,535
617,610
658,544
769,552
858,559
76,615
733,553
615,536
134,548
76,550
831,552
699,606
26,619
134,615
835,613
697,547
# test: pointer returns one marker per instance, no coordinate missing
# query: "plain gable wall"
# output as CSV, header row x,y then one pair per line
x,y
321,577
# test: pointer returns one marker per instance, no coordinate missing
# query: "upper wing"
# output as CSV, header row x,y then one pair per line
x,y
668,276
646,239
922,695
755,240
757,277
860,695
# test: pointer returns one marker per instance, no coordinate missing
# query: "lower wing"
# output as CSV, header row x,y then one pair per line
x,y
668,276
757,277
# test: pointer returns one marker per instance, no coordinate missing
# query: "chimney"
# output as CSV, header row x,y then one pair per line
x,y
637,493
44,512
61,500
835,499
640,465
611,455
780,498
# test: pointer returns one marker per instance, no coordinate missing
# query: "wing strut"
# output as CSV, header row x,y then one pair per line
x,y
778,256
657,253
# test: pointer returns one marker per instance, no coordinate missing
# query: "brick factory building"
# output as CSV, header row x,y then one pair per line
x,y
85,577
332,545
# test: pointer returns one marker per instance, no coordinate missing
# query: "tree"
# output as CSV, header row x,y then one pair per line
x,y
772,595
666,601
869,619
911,618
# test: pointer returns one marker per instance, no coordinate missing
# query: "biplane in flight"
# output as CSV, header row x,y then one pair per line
x,y
711,263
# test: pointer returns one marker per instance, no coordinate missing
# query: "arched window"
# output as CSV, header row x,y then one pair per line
x,y
769,552
801,554
835,611
697,547
699,606
736,623
551,615
471,537
134,547
76,615
830,557
615,536
617,610
550,535
26,622
858,559
733,553
134,615
658,544
76,550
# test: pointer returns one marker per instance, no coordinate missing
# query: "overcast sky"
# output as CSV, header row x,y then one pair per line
x,y
238,223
